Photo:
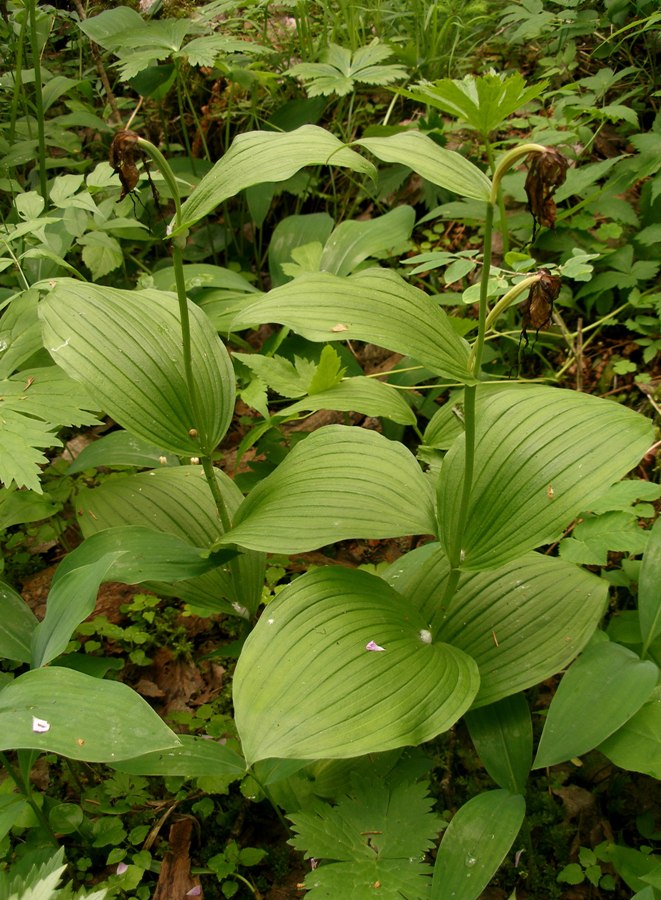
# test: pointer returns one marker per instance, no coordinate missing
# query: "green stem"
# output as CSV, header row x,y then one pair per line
x,y
476,353
24,788
38,98
501,203
510,297
18,82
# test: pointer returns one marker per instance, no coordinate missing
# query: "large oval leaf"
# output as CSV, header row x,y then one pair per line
x,y
375,306
502,735
475,843
443,167
63,711
179,502
17,623
542,455
338,483
522,622
637,744
260,156
603,689
308,686
126,347
358,394
195,757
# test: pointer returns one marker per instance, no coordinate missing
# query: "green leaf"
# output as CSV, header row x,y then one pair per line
x,y
204,51
542,455
17,622
354,241
119,448
259,156
129,554
328,372
521,622
278,373
502,735
340,69
475,843
649,588
364,395
101,253
178,501
126,346
195,757
20,332
372,827
58,710
442,167
19,507
339,483
376,306
602,690
594,537
483,103
636,745
308,685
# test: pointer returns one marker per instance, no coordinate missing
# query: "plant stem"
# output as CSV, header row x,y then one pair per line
x,y
38,98
24,788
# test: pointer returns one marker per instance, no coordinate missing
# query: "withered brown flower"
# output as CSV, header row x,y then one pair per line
x,y
124,154
547,172
537,309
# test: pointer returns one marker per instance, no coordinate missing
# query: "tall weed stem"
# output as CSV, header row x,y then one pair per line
x,y
38,99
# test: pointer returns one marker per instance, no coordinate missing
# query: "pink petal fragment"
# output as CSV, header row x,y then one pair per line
x,y
121,868
374,647
195,891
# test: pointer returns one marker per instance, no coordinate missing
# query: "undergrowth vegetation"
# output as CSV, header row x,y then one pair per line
x,y
329,341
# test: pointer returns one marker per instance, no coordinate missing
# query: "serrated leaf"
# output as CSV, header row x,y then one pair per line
x,y
87,718
339,70
340,482
542,455
311,682
125,346
278,373
442,167
376,306
602,690
475,843
328,372
204,51
593,538
20,332
374,823
260,156
363,395
521,622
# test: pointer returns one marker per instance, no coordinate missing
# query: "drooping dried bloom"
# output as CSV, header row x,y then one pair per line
x,y
123,159
537,309
547,172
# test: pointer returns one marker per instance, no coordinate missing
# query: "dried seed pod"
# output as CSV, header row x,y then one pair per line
x,y
547,172
537,309
124,154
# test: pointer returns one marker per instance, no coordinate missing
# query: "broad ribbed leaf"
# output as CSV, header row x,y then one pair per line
x,y
475,843
363,395
179,502
129,554
259,156
338,483
17,622
602,690
522,622
542,456
62,711
376,306
307,684
119,448
354,241
502,735
637,744
649,588
443,167
194,758
125,346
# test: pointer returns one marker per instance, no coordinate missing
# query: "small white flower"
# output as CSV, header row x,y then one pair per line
x,y
374,647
